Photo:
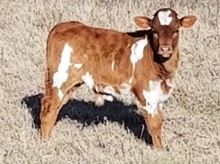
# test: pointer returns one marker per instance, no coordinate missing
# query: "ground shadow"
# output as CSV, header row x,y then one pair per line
x,y
87,113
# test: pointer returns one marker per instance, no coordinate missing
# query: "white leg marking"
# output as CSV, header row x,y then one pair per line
x,y
151,97
137,53
113,65
77,66
164,17
61,75
155,97
87,78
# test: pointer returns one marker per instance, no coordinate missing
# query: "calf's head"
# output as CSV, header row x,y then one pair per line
x,y
164,30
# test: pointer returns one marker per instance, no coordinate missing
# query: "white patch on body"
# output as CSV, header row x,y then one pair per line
x,y
60,94
108,97
109,90
77,66
125,89
99,100
87,78
137,53
170,83
61,75
155,97
113,65
164,17
96,88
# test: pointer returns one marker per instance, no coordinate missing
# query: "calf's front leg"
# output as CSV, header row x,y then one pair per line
x,y
154,123
151,111
54,99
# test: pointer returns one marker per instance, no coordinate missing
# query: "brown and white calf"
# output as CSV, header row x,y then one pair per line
x,y
112,62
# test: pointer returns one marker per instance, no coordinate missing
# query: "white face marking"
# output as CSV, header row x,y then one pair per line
x,y
77,66
155,97
137,53
61,75
164,17
113,65
87,78
109,90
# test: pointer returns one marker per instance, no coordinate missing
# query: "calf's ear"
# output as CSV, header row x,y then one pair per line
x,y
143,22
187,21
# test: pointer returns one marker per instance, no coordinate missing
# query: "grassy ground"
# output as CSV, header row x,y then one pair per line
x,y
113,133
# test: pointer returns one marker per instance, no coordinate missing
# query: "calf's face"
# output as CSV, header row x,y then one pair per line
x,y
164,29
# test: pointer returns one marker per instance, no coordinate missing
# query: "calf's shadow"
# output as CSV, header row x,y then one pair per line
x,y
87,113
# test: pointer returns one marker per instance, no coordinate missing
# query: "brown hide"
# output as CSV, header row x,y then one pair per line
x,y
106,56
97,48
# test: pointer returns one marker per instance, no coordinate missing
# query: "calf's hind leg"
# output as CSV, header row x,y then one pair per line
x,y
53,101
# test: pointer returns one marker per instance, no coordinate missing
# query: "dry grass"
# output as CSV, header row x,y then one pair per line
x,y
191,131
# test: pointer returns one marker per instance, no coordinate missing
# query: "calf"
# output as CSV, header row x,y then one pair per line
x,y
112,62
